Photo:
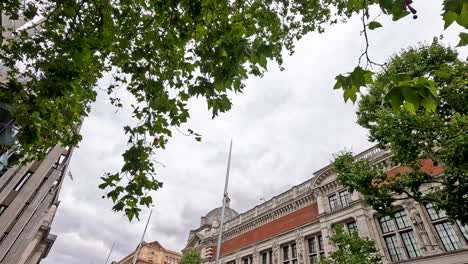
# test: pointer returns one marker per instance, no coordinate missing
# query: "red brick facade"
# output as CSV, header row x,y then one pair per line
x,y
280,225
427,167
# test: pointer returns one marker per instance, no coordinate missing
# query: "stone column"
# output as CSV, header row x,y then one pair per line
x,y
378,239
238,259
276,251
362,225
255,256
325,230
300,246
432,238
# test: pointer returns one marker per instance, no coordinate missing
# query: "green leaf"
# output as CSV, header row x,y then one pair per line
x,y
455,10
352,82
449,17
463,39
409,107
374,24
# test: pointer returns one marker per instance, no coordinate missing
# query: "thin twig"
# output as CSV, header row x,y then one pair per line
x,y
369,62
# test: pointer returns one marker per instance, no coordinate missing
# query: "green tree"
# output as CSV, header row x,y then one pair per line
x,y
350,248
191,256
163,53
440,138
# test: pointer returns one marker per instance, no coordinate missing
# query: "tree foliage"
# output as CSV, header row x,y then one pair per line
x,y
191,256
350,248
163,53
414,136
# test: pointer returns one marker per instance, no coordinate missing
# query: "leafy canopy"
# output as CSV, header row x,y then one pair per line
x,y
350,248
163,53
191,256
414,136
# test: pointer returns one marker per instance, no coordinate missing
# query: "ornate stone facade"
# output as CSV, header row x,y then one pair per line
x,y
295,225
150,253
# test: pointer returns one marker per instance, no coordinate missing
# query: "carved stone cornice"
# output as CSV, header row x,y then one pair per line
x,y
285,209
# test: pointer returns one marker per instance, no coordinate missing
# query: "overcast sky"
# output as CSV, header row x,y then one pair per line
x,y
285,126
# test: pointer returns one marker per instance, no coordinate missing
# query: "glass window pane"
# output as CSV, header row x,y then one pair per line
x,y
320,240
313,259
433,214
333,202
264,258
352,227
294,251
447,236
285,252
464,229
393,248
386,223
312,247
411,244
345,198
402,219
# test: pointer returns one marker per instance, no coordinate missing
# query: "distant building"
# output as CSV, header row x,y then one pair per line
x,y
152,252
294,227
28,198
28,193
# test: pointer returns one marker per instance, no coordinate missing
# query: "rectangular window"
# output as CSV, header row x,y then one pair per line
x,y
333,203
23,180
2,208
314,259
286,253
345,198
290,254
393,249
320,243
315,244
412,247
352,227
247,260
386,223
264,258
402,220
447,236
312,246
433,214
464,229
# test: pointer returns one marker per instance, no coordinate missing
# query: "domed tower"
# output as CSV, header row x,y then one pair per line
x,y
213,217
204,238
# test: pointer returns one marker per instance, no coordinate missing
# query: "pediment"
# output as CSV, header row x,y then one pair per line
x,y
323,176
193,241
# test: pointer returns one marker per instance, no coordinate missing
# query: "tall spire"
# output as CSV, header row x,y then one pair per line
x,y
225,200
